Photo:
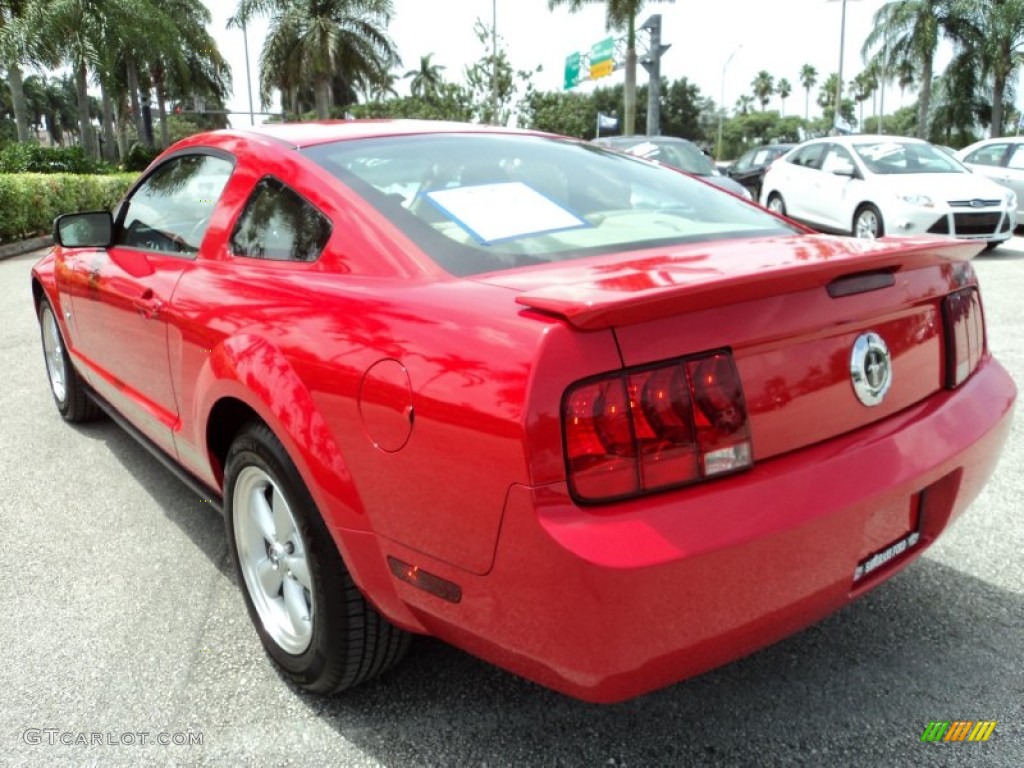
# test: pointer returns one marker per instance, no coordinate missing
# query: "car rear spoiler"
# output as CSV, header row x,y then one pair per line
x,y
650,287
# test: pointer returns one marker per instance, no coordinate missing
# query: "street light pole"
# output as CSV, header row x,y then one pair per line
x,y
842,52
248,76
721,104
839,82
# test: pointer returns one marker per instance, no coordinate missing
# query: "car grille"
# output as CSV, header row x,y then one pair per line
x,y
975,203
972,224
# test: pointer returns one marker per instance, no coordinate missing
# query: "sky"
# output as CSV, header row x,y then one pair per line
x,y
779,36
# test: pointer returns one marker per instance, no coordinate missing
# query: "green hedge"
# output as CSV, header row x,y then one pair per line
x,y
29,202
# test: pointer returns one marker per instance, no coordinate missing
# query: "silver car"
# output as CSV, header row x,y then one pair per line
x,y
1001,160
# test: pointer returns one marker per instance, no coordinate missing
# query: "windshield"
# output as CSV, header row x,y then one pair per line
x,y
889,157
679,154
477,203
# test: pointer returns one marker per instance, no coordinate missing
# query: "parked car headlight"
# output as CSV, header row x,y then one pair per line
x,y
922,200
1011,199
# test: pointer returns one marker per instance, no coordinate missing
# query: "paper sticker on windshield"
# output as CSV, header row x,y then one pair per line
x,y
493,212
644,149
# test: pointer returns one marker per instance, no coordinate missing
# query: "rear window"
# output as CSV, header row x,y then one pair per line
x,y
479,203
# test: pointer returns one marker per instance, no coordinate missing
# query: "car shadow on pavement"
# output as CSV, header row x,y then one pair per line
x,y
196,517
856,688
932,644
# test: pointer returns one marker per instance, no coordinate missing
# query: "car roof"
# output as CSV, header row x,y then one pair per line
x,y
639,139
997,140
867,138
308,134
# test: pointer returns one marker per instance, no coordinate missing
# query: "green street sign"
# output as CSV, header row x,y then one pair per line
x,y
572,71
602,51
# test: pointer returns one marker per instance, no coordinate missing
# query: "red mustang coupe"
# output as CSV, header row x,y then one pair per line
x,y
581,415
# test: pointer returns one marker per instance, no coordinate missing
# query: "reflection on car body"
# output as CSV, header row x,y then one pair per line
x,y
576,413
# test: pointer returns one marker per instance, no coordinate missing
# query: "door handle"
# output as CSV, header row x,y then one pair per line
x,y
147,304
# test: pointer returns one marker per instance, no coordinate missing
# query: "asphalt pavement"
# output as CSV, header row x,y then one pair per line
x,y
126,642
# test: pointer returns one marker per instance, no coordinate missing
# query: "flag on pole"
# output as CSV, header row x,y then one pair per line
x,y
606,122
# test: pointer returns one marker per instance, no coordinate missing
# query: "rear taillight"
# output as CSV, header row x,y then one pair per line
x,y
965,335
647,429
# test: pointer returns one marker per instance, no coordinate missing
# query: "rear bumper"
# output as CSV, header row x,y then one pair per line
x,y
611,602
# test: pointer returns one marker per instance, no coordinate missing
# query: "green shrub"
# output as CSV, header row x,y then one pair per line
x,y
29,202
25,157
139,157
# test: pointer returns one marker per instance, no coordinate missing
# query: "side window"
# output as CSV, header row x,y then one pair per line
x,y
744,162
170,211
837,159
280,225
809,156
989,155
1016,160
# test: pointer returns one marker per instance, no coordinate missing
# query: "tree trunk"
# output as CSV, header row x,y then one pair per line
x,y
629,92
122,128
924,100
998,90
161,104
807,104
84,123
322,93
18,100
133,95
109,142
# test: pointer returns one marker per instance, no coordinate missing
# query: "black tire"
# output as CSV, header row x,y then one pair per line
x,y
69,391
868,223
991,245
776,204
344,641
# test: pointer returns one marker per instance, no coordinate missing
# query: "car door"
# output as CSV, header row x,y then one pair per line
x,y
989,160
745,172
1014,177
121,332
802,171
833,186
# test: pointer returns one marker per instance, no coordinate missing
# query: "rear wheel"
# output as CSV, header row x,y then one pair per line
x,y
867,223
309,614
68,390
776,204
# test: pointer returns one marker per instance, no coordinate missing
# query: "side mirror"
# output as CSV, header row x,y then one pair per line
x,y
92,229
846,170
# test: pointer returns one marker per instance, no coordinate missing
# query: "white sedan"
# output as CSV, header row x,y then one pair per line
x,y
869,186
1001,160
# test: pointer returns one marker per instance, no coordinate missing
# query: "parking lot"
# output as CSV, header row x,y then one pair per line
x,y
126,641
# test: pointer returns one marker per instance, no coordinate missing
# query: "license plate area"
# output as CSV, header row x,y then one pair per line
x,y
886,555
889,535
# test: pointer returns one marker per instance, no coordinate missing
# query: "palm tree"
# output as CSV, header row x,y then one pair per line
x,y
764,86
18,46
784,88
744,103
904,77
620,15
992,32
808,79
911,30
427,79
187,63
318,40
863,85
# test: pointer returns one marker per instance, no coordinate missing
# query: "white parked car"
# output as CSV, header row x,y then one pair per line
x,y
1001,160
869,186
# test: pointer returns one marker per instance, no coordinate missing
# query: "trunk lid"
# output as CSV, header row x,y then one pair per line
x,y
789,309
